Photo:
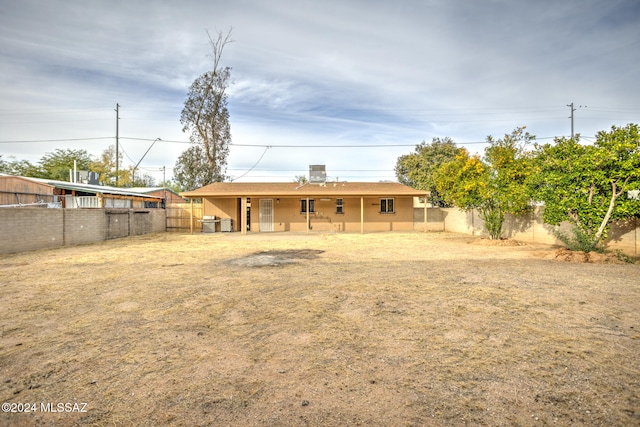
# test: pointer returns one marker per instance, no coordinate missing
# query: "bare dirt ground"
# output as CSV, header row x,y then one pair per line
x,y
308,330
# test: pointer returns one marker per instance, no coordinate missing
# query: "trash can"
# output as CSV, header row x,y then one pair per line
x,y
226,225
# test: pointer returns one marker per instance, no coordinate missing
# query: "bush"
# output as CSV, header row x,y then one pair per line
x,y
578,241
493,220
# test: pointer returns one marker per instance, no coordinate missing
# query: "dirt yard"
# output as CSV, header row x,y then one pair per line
x,y
317,330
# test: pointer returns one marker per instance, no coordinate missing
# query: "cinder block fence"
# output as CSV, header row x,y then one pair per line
x,y
525,228
25,229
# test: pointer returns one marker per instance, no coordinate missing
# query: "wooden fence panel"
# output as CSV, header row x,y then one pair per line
x,y
179,217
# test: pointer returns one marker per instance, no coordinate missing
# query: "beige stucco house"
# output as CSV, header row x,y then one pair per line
x,y
330,206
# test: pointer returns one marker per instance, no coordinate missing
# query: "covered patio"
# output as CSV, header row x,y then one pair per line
x,y
330,207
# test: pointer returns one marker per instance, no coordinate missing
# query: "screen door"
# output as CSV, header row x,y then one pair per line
x,y
266,214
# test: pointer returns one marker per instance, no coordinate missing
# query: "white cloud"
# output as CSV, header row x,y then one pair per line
x,y
306,72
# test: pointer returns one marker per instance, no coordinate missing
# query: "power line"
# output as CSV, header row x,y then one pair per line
x,y
255,164
53,140
247,145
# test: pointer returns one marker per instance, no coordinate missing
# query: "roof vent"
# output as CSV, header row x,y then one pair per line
x,y
317,174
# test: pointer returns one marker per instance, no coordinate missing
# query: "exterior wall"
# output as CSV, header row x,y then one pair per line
x,y
158,220
83,226
288,217
625,236
171,197
435,219
223,208
25,229
16,190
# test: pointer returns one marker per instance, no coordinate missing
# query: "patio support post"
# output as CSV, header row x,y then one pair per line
x,y
307,214
243,215
191,217
361,215
425,213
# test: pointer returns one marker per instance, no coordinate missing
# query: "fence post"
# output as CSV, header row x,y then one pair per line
x,y
191,217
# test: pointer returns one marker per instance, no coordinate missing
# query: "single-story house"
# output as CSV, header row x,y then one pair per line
x,y
329,206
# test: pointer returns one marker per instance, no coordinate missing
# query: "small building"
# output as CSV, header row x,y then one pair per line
x,y
325,206
169,196
18,191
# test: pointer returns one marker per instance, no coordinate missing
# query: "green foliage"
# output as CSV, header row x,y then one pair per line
x,y
105,165
300,179
191,170
56,165
495,185
172,185
578,240
206,117
418,169
586,185
20,168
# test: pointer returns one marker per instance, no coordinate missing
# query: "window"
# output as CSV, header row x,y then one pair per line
x,y
303,206
386,206
339,206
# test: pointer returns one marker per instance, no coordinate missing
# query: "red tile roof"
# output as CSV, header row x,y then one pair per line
x,y
283,189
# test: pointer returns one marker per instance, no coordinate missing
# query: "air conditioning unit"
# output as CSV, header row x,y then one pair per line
x,y
317,174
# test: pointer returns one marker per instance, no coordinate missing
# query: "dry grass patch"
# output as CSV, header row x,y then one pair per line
x,y
378,329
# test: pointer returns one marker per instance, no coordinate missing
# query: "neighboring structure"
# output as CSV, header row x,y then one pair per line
x,y
93,213
169,196
18,191
329,206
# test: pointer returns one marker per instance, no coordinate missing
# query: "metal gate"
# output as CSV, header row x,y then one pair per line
x,y
266,214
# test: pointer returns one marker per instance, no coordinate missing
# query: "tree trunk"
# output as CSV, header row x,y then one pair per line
x,y
612,205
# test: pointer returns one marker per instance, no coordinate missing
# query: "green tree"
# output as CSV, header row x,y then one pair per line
x,y
105,165
191,171
586,185
20,168
172,185
206,117
300,179
141,179
56,165
418,169
495,185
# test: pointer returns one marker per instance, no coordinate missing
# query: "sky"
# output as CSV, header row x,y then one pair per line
x,y
350,84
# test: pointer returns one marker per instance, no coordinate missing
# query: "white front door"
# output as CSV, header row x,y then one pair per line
x,y
266,214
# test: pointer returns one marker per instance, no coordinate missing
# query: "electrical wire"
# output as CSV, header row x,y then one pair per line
x,y
55,140
255,164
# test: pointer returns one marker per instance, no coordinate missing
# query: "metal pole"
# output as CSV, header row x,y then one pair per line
x,y
117,138
571,117
145,153
361,215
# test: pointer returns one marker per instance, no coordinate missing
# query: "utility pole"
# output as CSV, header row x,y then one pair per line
x,y
571,116
117,138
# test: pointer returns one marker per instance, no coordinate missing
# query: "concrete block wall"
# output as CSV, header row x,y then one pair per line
x,y
83,226
158,220
25,229
527,228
